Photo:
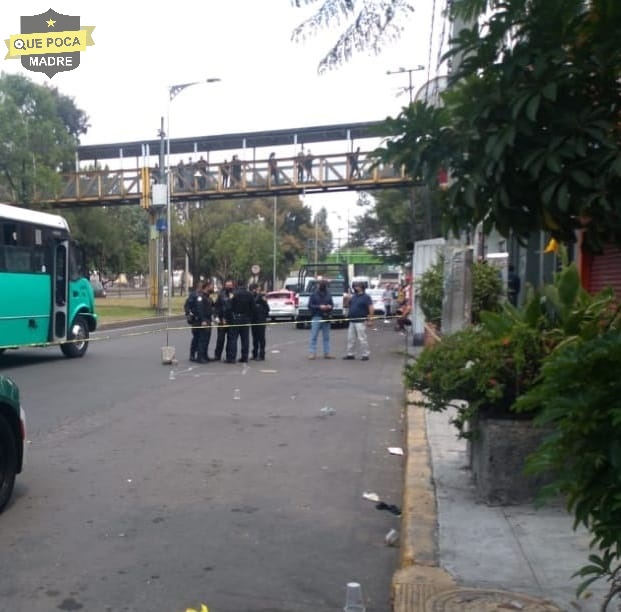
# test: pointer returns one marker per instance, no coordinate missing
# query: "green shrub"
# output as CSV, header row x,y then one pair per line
x,y
487,291
579,395
431,292
488,371
491,364
557,357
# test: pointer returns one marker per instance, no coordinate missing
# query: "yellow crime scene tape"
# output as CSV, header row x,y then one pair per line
x,y
168,328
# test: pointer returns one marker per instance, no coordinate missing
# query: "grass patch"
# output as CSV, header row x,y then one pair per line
x,y
115,309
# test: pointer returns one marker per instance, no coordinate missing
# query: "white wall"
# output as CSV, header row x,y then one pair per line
x,y
426,254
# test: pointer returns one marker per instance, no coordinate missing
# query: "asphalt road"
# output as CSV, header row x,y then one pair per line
x,y
149,488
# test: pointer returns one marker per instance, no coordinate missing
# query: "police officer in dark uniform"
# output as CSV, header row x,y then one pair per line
x,y
261,310
242,309
188,308
203,313
223,316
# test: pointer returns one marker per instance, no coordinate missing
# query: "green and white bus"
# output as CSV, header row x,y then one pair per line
x,y
45,294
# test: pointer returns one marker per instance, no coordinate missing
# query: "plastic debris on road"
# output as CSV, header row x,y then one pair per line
x,y
354,601
395,450
327,410
374,497
391,538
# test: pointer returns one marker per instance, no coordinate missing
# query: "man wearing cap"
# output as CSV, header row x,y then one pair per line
x,y
321,306
360,315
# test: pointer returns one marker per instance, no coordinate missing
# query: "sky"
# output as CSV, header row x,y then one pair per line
x,y
267,80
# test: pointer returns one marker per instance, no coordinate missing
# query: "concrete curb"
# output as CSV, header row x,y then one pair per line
x,y
421,584
419,576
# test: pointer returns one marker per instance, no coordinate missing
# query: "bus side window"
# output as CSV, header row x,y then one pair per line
x,y
38,260
9,234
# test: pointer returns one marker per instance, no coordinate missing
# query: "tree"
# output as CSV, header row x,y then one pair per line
x,y
198,230
530,132
39,131
240,246
114,239
371,24
320,240
396,219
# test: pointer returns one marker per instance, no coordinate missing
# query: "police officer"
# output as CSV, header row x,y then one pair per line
x,y
189,316
242,309
203,314
261,310
223,316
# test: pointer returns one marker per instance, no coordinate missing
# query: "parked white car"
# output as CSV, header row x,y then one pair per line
x,y
282,305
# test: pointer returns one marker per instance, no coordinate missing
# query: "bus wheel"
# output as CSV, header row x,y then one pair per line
x,y
79,339
8,462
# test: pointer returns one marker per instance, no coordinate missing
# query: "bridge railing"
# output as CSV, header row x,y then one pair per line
x,y
257,175
96,186
235,178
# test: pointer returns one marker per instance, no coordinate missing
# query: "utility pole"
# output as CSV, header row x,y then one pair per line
x,y
316,238
402,70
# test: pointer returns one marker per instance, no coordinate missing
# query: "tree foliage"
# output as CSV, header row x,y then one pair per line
x,y
39,131
203,232
396,218
114,239
242,245
370,25
530,128
487,291
215,236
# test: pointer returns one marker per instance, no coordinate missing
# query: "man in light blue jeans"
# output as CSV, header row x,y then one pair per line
x,y
321,305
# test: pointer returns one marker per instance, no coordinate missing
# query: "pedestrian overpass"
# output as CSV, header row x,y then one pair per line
x,y
128,173
228,166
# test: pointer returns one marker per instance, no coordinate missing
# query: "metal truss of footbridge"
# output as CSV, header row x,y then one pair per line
x,y
249,175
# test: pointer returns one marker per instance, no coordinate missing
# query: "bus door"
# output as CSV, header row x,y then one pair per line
x,y
60,286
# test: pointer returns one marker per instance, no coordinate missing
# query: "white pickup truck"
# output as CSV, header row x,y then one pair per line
x,y
336,275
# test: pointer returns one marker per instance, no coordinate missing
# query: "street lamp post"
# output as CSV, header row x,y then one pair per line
x,y
274,250
402,70
340,229
173,91
316,239
338,244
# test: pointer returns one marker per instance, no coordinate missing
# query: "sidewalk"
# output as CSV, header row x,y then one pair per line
x,y
457,554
